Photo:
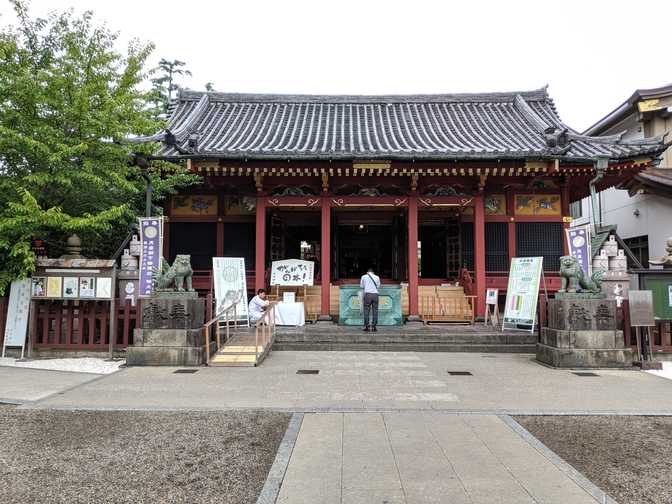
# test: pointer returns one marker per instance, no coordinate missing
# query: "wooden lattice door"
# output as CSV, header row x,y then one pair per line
x,y
453,247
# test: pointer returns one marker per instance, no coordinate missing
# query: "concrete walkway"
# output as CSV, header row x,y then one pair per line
x,y
24,385
416,457
365,381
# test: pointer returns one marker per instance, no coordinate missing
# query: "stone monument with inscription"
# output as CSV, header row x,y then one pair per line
x,y
171,321
582,328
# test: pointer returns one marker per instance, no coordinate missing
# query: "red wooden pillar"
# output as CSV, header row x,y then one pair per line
x,y
325,258
511,212
260,246
564,206
479,253
413,258
220,237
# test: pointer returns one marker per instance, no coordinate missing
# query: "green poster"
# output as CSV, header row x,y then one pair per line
x,y
522,293
389,305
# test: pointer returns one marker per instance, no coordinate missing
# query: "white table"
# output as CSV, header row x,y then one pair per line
x,y
290,314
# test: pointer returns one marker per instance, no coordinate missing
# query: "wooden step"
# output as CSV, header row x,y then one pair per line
x,y
233,360
241,349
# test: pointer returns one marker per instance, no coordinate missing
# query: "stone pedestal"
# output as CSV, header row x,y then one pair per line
x,y
170,332
582,333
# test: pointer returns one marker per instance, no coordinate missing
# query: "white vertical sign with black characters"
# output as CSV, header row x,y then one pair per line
x,y
17,315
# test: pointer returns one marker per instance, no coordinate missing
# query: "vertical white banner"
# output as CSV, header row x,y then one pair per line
x,y
17,315
230,285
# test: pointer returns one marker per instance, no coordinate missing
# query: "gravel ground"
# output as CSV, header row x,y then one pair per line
x,y
136,457
626,456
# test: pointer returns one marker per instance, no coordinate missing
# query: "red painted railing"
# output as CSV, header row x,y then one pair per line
x,y
83,325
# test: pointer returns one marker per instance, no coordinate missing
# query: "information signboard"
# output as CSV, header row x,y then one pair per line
x,y
151,253
292,272
230,285
17,315
522,293
641,308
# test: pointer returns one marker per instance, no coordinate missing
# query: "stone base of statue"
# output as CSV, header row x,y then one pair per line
x,y
170,332
582,333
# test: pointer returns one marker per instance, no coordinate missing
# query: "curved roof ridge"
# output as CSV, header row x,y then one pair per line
x,y
184,129
532,117
540,94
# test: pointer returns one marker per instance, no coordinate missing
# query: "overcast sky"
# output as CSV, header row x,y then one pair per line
x,y
593,54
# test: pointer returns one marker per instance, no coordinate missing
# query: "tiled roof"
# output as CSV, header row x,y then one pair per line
x,y
452,126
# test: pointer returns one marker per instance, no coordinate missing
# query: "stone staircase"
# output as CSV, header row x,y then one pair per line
x,y
408,338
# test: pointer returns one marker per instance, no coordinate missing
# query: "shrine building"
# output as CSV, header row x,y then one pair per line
x,y
426,189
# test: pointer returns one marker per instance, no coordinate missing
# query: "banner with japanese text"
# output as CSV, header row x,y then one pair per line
x,y
17,314
578,242
151,251
292,272
230,285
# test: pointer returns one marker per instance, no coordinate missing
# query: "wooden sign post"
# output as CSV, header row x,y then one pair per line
x,y
492,307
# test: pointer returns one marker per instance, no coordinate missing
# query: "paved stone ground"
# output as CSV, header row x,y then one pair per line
x,y
391,420
20,384
377,380
411,457
628,457
136,457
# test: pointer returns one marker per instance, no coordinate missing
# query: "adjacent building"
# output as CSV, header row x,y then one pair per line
x,y
641,206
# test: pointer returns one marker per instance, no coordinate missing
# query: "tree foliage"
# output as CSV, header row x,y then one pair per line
x,y
164,83
68,99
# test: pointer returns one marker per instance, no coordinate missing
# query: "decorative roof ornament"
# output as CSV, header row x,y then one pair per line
x,y
665,261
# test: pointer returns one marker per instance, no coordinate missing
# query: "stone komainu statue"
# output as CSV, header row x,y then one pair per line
x,y
168,278
573,276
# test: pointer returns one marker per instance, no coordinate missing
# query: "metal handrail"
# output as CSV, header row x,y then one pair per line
x,y
206,328
267,326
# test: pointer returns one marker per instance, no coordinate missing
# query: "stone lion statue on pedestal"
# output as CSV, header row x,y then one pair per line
x,y
573,277
169,278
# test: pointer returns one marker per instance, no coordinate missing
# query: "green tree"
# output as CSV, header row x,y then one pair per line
x,y
68,99
164,85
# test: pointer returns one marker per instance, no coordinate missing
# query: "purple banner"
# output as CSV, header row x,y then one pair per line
x,y
578,240
150,251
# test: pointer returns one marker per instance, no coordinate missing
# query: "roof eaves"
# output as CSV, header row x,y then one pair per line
x,y
627,107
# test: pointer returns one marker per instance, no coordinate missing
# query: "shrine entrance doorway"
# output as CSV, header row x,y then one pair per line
x,y
365,240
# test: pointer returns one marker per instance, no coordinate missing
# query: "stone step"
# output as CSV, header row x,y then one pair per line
x,y
407,347
361,337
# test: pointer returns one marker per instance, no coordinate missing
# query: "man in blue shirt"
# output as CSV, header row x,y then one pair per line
x,y
370,283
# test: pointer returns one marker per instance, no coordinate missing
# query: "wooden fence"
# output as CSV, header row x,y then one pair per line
x,y
83,325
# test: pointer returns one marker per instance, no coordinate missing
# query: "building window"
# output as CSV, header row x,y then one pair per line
x,y
576,209
639,246
496,246
467,231
540,239
198,239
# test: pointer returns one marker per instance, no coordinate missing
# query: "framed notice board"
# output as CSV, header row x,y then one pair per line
x,y
660,286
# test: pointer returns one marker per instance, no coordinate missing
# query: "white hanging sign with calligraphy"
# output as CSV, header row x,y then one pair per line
x,y
292,272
